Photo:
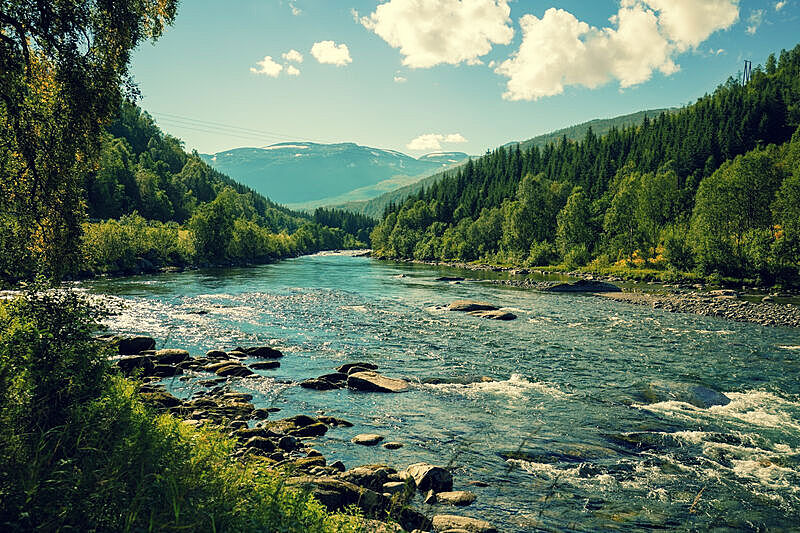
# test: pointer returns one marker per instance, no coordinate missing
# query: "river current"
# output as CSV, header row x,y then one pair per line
x,y
565,437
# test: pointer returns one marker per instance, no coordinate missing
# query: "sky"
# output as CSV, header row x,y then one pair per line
x,y
421,76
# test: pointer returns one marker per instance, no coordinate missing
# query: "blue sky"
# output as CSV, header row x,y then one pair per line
x,y
422,75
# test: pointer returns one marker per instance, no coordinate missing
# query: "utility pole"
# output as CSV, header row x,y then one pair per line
x,y
748,72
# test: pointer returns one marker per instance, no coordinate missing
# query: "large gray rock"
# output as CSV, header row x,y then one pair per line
x,y
444,522
431,477
265,365
465,306
370,477
171,356
458,497
374,382
236,370
367,439
135,345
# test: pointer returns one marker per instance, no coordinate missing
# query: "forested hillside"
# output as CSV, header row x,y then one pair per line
x,y
714,187
376,206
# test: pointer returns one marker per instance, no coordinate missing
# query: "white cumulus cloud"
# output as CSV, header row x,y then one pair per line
x,y
331,53
432,32
267,67
780,5
292,70
690,22
293,56
558,50
400,79
296,11
433,141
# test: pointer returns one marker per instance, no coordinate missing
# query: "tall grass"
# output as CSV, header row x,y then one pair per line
x,y
80,452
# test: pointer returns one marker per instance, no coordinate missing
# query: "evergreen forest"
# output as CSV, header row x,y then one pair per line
x,y
711,189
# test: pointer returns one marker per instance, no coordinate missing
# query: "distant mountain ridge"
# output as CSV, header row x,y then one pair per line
x,y
305,174
375,206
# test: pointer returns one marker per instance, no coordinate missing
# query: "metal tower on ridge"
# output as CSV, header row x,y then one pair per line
x,y
748,72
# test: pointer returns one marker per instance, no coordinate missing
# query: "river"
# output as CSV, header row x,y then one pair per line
x,y
565,438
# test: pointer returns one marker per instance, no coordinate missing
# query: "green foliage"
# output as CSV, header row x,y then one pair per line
x,y
732,211
80,452
62,65
121,245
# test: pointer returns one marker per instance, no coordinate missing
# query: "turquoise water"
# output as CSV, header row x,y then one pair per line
x,y
564,437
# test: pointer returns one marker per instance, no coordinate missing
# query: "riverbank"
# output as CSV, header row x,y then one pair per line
x,y
748,305
286,446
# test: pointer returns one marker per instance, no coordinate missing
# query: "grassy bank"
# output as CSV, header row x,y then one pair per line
x,y
80,452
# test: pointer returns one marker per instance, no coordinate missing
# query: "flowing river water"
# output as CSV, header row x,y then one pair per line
x,y
566,437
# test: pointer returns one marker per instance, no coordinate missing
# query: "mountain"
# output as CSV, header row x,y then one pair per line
x,y
374,206
306,175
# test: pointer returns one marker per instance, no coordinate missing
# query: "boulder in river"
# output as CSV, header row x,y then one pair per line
x,y
236,370
449,278
319,384
494,315
583,285
171,356
135,345
445,522
361,366
457,497
374,382
697,395
466,306
367,439
431,477
265,365
263,352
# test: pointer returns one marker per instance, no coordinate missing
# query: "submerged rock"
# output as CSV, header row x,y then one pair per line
x,y
466,306
494,315
263,352
459,380
265,365
449,278
360,366
374,382
697,395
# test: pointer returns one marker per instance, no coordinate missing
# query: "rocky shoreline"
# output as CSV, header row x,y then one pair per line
x,y
675,298
286,445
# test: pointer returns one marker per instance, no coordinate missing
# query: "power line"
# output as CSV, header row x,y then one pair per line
x,y
207,126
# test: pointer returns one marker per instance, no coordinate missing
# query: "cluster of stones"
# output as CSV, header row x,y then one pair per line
x,y
285,444
360,376
138,355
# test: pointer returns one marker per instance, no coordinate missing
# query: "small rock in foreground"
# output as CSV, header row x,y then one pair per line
x,y
367,439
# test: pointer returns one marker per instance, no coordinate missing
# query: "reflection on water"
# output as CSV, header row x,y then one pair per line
x,y
566,436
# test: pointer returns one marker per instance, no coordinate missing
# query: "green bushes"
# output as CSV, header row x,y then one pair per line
x,y
119,245
80,452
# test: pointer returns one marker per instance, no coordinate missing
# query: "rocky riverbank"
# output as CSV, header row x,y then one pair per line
x,y
675,298
723,304
286,444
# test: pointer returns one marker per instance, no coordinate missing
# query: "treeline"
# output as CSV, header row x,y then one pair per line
x,y
712,187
